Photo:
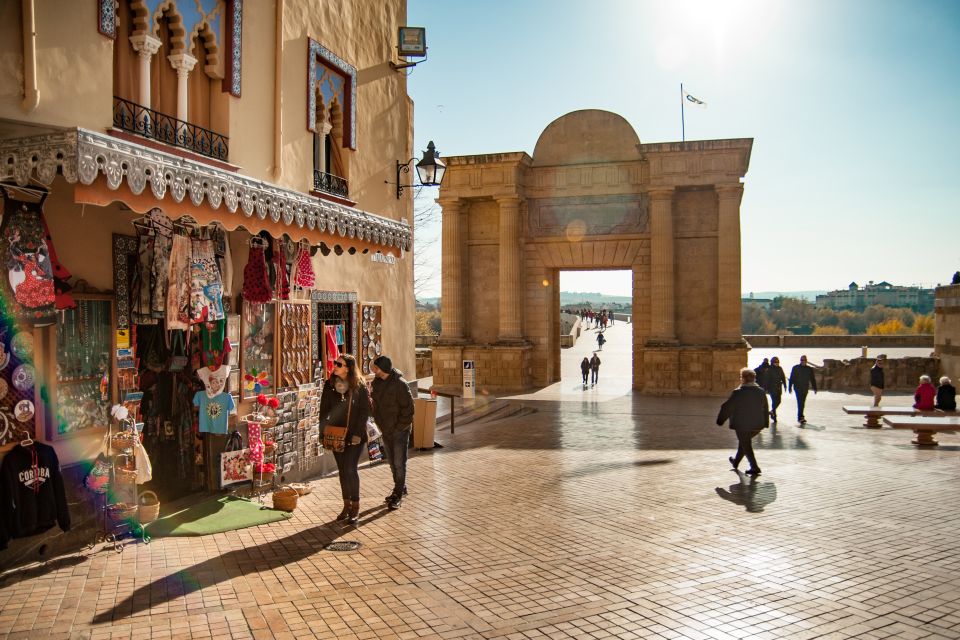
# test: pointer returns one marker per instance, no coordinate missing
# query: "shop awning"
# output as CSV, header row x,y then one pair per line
x,y
107,169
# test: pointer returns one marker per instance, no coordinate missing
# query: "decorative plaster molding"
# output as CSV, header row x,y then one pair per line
x,y
84,155
231,82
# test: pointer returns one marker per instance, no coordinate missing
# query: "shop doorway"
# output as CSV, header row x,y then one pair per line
x,y
595,307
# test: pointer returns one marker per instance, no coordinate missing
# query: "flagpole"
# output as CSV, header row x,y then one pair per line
x,y
683,128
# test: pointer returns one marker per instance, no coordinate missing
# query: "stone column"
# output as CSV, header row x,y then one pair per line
x,y
451,306
661,267
323,130
510,285
184,64
728,263
146,46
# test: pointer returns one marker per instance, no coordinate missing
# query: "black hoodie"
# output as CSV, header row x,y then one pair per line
x,y
32,497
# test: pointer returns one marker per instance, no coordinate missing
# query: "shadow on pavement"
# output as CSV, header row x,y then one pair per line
x,y
227,566
749,493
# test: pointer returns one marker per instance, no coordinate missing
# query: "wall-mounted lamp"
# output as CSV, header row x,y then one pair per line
x,y
412,43
430,169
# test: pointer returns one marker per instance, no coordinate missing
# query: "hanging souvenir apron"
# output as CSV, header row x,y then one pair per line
x,y
28,289
206,288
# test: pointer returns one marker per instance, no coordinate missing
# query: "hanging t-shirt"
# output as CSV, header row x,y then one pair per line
x,y
214,411
212,380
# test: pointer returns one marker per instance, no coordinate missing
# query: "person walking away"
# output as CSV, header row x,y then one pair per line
x,y
802,379
346,401
393,412
774,382
761,370
585,369
876,379
946,395
747,410
594,368
600,341
925,395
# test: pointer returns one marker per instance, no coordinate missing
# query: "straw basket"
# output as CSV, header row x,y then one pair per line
x,y
269,449
121,512
301,488
123,440
263,478
149,507
285,499
125,476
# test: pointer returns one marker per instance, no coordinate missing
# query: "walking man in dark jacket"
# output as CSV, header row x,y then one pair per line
x,y
393,412
594,369
774,382
761,372
802,379
747,410
876,379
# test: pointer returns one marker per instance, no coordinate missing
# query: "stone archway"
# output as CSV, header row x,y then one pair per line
x,y
594,197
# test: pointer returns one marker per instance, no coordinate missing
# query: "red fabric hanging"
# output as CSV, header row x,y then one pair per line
x,y
330,333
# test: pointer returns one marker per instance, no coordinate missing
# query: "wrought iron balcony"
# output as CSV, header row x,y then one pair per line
x,y
132,117
329,183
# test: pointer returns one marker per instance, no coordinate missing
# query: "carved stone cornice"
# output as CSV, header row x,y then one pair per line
x,y
83,155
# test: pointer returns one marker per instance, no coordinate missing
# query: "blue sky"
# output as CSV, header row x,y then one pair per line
x,y
853,105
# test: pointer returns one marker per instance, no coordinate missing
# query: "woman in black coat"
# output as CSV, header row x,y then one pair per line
x,y
748,412
345,400
946,395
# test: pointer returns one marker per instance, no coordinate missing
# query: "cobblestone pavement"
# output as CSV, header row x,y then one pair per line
x,y
599,516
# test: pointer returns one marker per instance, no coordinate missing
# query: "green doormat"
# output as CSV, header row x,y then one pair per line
x,y
214,516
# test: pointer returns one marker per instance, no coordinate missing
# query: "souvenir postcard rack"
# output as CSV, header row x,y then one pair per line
x,y
276,347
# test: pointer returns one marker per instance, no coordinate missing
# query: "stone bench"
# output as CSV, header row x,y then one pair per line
x,y
875,414
925,427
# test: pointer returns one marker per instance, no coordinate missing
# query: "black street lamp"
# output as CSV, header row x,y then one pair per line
x,y
430,169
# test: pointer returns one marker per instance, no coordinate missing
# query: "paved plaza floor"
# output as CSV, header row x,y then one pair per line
x,y
602,515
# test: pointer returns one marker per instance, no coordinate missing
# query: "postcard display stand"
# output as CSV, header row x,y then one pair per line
x,y
371,334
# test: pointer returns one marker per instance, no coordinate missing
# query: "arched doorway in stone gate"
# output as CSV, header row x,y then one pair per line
x,y
593,196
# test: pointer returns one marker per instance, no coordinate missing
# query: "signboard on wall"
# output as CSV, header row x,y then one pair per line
x,y
469,379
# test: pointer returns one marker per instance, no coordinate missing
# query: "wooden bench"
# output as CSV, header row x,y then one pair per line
x,y
925,427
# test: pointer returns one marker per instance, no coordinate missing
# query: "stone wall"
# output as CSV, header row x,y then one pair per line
x,y
498,368
900,374
424,363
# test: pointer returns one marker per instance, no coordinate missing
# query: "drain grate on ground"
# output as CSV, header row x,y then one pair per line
x,y
343,545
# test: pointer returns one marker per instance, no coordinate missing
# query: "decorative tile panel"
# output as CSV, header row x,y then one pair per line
x,y
318,52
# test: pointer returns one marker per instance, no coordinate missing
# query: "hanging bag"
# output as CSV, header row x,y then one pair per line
x,y
335,436
235,463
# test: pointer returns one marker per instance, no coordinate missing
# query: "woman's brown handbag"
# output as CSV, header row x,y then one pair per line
x,y
334,437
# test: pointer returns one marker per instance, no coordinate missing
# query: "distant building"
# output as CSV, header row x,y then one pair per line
x,y
859,298
766,303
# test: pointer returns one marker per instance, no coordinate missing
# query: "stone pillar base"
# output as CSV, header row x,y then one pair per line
x,y
500,368
708,370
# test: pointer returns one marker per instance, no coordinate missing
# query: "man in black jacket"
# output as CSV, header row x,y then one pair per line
x,y
876,379
747,410
393,412
802,379
774,381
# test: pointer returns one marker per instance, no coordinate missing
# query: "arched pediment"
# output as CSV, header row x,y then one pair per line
x,y
586,137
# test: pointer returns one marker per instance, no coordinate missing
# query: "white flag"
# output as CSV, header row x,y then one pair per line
x,y
697,102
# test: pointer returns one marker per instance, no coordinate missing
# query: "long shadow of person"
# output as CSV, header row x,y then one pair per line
x,y
268,556
749,493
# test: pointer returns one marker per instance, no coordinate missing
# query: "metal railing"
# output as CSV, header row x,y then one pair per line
x,y
329,183
135,118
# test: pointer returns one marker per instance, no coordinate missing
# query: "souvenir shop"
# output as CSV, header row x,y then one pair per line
x,y
131,350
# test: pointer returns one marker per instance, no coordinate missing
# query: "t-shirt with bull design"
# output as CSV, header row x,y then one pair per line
x,y
32,497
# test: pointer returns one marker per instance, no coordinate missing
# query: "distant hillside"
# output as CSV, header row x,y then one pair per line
x,y
595,299
803,295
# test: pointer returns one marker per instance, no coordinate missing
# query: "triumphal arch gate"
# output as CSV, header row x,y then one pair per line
x,y
594,197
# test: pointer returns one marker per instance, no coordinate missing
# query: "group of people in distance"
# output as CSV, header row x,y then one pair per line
x,y
771,378
749,412
927,397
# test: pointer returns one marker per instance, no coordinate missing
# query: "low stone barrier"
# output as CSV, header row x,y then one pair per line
x,y
900,374
858,340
